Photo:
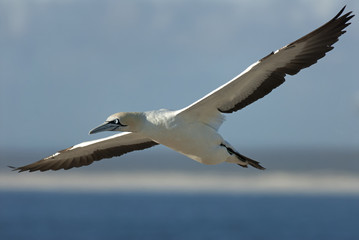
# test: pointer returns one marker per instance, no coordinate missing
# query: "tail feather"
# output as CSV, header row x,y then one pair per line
x,y
242,158
250,161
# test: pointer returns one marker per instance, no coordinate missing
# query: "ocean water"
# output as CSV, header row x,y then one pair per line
x,y
110,215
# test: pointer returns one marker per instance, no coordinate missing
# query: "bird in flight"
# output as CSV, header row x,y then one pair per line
x,y
193,130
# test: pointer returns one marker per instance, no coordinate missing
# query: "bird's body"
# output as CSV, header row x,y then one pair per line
x,y
193,138
182,133
193,130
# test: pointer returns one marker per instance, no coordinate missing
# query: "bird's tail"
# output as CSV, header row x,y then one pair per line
x,y
244,161
250,161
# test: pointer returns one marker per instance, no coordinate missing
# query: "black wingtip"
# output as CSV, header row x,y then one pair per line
x,y
348,15
13,168
17,169
340,12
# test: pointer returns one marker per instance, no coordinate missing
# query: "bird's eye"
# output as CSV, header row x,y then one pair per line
x,y
117,122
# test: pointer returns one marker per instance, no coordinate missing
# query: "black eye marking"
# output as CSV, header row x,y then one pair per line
x,y
117,122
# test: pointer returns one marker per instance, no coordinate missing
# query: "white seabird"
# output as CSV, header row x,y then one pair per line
x,y
192,130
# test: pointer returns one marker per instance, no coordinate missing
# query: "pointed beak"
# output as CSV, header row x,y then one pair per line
x,y
106,126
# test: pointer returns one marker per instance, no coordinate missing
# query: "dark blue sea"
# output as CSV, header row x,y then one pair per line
x,y
144,215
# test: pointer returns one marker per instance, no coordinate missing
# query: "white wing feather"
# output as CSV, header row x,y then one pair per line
x,y
87,152
262,77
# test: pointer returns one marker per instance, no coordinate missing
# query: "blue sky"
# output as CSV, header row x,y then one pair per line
x,y
66,65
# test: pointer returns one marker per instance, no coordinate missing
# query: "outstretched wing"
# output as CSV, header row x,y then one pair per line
x,y
85,153
262,77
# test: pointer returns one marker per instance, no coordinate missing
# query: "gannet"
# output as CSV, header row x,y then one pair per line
x,y
193,130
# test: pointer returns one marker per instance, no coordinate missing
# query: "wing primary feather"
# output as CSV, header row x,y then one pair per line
x,y
88,153
314,46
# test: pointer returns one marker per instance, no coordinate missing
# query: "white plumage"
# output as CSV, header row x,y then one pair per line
x,y
193,130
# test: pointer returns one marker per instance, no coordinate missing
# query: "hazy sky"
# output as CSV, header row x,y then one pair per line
x,y
66,65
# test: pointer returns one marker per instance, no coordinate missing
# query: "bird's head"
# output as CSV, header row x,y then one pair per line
x,y
122,121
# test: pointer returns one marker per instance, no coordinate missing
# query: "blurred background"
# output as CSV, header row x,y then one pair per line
x,y
66,65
